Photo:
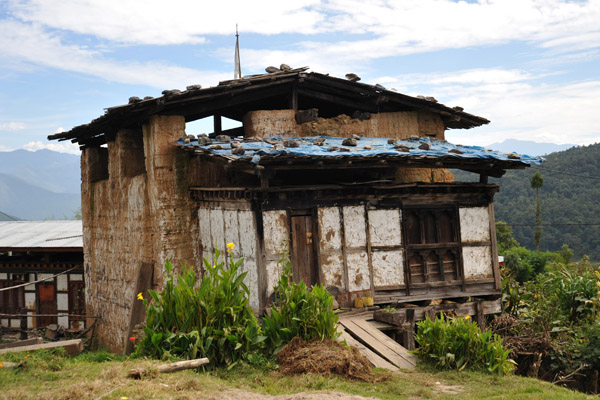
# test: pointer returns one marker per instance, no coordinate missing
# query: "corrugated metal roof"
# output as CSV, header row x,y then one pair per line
x,y
365,148
41,234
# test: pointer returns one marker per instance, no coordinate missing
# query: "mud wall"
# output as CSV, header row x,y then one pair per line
x,y
138,213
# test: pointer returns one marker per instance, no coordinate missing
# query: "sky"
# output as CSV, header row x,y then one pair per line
x,y
532,67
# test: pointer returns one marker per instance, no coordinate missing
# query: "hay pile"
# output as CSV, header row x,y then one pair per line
x,y
325,357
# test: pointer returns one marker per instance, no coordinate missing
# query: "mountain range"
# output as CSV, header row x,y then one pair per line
x,y
39,185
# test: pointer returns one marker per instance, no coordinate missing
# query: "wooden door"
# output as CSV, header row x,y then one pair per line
x,y
304,264
46,304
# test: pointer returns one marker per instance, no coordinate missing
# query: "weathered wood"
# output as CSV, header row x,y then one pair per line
x,y
380,343
479,314
23,324
168,368
373,358
21,343
138,310
399,317
408,334
8,364
72,347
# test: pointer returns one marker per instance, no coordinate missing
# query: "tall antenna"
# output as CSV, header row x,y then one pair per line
x,y
237,73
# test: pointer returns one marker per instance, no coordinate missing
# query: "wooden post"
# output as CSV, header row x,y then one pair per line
x,y
480,315
408,335
217,124
23,323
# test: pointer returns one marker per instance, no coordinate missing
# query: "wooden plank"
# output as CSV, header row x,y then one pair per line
x,y
380,343
399,317
373,358
72,347
138,311
21,343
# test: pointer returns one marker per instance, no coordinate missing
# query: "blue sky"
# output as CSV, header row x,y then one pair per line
x,y
530,66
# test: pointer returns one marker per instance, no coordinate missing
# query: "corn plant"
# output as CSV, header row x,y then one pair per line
x,y
458,343
211,320
298,311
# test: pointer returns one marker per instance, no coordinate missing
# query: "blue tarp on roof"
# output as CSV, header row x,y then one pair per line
x,y
366,147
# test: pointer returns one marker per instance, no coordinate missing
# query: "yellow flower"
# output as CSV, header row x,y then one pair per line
x,y
214,266
230,247
139,296
468,317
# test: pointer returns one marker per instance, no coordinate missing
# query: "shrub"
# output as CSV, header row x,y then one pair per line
x,y
458,343
213,320
299,312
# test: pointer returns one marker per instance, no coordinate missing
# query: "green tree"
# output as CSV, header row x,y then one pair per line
x,y
537,182
504,237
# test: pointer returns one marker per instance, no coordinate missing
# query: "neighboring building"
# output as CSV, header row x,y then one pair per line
x,y
31,251
379,216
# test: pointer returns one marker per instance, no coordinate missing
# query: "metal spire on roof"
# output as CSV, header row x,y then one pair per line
x,y
237,73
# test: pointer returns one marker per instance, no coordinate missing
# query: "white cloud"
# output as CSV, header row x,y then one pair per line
x,y
33,44
170,22
517,103
64,147
12,126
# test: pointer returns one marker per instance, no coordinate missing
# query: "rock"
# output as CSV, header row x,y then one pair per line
x,y
223,138
191,137
333,148
424,146
134,99
193,87
291,143
216,147
458,108
455,151
272,69
513,156
238,151
319,142
170,92
381,87
344,149
186,140
488,149
428,98
352,77
391,141
202,135
349,142
278,146
414,137
285,67
401,147
355,137
204,140
148,98
235,144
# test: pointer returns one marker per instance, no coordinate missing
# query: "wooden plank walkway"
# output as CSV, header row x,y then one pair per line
x,y
368,353
377,342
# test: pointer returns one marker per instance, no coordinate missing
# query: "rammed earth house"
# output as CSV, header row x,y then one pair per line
x,y
352,178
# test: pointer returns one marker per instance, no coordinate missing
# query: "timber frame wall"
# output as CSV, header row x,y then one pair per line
x,y
350,265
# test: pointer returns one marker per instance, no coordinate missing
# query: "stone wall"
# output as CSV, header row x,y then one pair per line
x,y
140,213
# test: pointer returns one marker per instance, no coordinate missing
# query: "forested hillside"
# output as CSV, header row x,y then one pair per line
x,y
570,201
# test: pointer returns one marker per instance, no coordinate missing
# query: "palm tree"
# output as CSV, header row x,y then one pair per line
x,y
537,182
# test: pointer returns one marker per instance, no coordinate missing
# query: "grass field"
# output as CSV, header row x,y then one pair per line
x,y
101,375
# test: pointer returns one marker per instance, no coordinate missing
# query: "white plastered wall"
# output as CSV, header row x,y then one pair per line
x,y
385,230
474,233
217,227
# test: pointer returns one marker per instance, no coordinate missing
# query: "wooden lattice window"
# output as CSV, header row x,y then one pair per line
x,y
433,248
11,301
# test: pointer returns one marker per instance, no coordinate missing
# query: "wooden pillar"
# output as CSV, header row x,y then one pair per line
x,y
408,334
23,326
217,124
479,314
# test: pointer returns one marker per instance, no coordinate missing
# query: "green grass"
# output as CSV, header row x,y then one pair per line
x,y
53,375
